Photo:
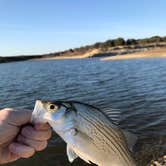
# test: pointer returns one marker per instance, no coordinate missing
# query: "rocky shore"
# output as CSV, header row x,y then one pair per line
x,y
159,162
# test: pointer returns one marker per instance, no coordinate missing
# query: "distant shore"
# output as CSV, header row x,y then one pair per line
x,y
116,49
153,53
138,55
120,54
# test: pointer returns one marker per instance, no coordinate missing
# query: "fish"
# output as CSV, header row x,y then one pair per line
x,y
89,132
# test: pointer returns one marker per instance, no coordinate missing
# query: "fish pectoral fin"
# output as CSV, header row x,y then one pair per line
x,y
130,138
71,154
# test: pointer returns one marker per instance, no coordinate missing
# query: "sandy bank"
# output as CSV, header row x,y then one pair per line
x,y
85,55
156,52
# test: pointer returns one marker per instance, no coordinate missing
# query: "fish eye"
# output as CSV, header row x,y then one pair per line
x,y
52,108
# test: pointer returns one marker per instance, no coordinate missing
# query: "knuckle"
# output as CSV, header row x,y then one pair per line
x,y
23,131
13,148
5,113
22,139
27,131
7,109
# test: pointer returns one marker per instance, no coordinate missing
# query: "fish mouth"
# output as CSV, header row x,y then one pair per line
x,y
38,112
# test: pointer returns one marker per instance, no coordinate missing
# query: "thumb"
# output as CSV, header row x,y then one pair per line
x,y
18,117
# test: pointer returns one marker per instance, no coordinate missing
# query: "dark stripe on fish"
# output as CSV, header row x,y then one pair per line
x,y
113,142
108,136
116,137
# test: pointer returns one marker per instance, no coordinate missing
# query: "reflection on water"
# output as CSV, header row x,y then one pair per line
x,y
136,87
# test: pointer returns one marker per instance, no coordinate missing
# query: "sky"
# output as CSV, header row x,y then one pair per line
x,y
42,26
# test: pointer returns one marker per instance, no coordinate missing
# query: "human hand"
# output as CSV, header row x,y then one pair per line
x,y
19,139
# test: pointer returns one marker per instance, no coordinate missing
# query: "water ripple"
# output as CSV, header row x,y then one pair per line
x,y
136,87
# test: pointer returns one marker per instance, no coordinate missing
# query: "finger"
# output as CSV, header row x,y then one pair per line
x,y
17,117
21,150
30,132
42,126
8,156
37,145
13,157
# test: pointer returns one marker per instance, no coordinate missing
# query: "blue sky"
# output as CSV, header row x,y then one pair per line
x,y
43,26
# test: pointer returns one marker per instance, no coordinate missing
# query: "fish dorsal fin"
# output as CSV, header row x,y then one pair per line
x,y
130,138
71,154
113,115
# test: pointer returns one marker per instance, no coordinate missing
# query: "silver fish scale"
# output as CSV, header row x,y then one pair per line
x,y
87,127
106,137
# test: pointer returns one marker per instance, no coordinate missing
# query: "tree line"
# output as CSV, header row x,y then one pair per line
x,y
120,42
128,42
111,43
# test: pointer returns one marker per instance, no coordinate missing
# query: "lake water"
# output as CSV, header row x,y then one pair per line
x,y
136,87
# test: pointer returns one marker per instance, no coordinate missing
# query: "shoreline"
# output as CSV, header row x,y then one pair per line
x,y
115,53
153,53
112,49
